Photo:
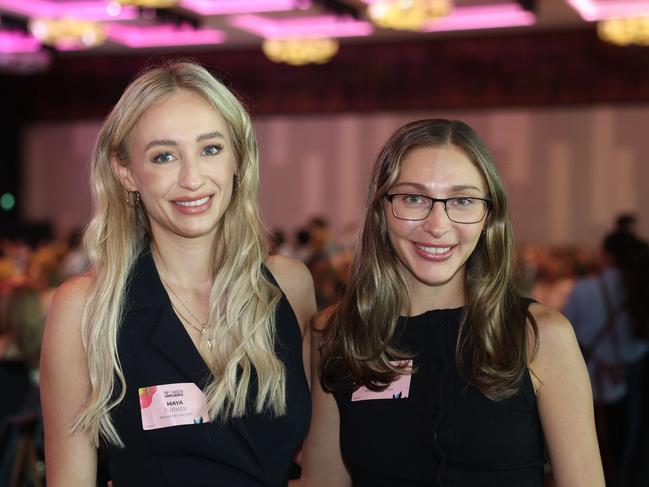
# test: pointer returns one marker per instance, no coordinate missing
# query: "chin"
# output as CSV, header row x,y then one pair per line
x,y
438,276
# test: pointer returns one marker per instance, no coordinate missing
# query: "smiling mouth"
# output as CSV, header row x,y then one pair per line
x,y
433,250
198,202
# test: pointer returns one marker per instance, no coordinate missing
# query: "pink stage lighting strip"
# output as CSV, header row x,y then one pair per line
x,y
163,35
592,10
221,7
83,10
17,42
482,17
305,28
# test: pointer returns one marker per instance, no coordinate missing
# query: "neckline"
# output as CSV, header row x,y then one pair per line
x,y
433,312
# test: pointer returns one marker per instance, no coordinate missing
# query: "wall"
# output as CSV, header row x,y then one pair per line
x,y
569,171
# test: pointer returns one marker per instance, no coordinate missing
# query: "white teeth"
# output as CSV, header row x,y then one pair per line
x,y
434,250
202,201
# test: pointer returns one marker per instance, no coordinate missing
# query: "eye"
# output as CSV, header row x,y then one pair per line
x,y
163,157
462,202
212,150
413,200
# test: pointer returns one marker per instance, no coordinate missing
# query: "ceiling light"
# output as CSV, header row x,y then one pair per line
x,y
149,3
67,33
624,32
298,52
407,14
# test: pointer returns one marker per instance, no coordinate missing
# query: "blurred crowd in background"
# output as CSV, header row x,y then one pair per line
x,y
559,277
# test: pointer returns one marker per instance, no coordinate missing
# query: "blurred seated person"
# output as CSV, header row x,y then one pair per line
x,y
75,261
328,283
21,330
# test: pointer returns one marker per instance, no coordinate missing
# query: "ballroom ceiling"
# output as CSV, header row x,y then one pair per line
x,y
32,31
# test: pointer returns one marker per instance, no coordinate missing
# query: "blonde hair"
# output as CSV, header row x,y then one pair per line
x,y
241,322
491,351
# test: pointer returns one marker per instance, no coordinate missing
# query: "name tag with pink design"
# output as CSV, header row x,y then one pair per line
x,y
398,389
172,405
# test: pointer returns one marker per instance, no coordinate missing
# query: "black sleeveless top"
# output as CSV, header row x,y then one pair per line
x,y
154,349
445,433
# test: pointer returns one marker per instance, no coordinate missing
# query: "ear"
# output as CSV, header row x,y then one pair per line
x,y
124,174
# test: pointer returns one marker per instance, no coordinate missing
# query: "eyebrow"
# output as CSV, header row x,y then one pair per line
x,y
210,135
459,187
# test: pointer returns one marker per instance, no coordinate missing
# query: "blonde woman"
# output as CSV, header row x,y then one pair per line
x,y
433,370
179,356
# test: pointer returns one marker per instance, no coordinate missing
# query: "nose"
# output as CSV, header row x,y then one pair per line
x,y
437,222
191,175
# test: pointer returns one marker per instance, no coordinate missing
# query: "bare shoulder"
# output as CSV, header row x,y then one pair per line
x,y
287,271
555,331
64,315
74,292
296,282
558,350
565,402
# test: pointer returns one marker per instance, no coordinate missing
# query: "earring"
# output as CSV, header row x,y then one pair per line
x,y
132,198
236,183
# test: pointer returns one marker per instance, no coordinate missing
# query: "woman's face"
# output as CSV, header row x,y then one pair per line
x,y
433,252
182,162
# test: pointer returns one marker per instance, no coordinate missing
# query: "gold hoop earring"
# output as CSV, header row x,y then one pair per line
x,y
132,198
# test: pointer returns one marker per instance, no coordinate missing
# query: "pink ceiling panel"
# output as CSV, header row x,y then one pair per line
x,y
606,9
86,10
482,17
17,42
163,35
212,7
305,27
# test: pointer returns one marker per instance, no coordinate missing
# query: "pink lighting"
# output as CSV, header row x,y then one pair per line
x,y
83,10
482,17
212,7
163,35
592,10
17,42
307,27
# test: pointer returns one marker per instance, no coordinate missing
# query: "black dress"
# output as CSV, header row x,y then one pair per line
x,y
445,433
154,348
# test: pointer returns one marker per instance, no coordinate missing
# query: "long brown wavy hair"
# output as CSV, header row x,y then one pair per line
x,y
492,348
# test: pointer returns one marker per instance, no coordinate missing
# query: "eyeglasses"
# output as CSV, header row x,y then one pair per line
x,y
461,209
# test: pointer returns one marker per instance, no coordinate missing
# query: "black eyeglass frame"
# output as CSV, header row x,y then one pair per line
x,y
486,201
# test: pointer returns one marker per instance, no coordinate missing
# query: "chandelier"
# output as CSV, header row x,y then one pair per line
x,y
407,14
624,32
68,33
298,52
149,3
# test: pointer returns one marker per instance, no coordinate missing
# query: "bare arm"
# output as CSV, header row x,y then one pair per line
x,y
71,458
565,403
322,463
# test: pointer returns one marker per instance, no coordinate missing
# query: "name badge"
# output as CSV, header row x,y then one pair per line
x,y
398,389
172,405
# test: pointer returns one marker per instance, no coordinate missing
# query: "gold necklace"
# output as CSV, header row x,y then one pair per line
x,y
203,326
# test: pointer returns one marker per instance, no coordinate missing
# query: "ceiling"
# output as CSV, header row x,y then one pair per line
x,y
227,24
